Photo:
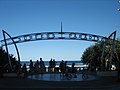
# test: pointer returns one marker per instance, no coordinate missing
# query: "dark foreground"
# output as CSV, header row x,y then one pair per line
x,y
103,83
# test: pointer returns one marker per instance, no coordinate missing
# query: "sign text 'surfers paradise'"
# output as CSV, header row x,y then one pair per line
x,y
54,35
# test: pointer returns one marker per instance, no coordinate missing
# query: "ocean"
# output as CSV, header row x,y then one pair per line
x,y
78,64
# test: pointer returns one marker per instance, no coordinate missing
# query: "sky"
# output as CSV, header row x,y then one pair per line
x,y
19,17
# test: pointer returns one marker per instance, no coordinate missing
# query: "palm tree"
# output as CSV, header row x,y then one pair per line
x,y
4,64
92,55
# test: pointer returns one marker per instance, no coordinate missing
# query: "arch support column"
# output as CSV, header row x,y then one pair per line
x,y
108,41
4,32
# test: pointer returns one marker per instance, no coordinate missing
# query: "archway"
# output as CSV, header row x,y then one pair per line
x,y
58,36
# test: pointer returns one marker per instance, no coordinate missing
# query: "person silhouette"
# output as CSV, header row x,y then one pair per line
x,y
74,70
42,66
62,67
36,66
24,70
31,67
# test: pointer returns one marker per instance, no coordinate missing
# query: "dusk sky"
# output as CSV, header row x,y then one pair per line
x,y
19,17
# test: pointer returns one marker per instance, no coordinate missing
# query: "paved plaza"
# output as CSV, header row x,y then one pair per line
x,y
53,82
58,77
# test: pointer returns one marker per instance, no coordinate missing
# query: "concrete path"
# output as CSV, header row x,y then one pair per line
x,y
103,83
58,77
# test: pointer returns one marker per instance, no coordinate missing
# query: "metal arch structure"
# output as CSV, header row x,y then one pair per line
x,y
7,48
5,44
59,35
112,36
53,36
109,41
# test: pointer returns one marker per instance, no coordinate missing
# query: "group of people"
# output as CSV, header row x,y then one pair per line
x,y
39,67
65,69
52,63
